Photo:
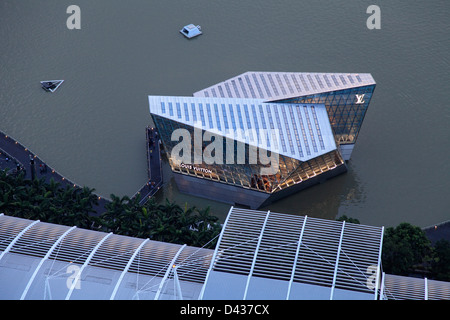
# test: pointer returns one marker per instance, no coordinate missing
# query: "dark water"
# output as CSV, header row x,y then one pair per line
x,y
93,128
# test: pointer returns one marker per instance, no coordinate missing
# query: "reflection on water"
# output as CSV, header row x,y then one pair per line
x,y
327,200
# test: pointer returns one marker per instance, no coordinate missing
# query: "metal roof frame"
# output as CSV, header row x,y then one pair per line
x,y
283,252
297,250
53,248
395,287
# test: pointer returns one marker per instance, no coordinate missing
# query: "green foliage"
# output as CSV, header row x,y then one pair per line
x,y
404,247
407,250
161,222
347,219
73,206
441,262
50,202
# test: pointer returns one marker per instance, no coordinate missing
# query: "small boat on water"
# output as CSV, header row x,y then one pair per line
x,y
190,31
51,85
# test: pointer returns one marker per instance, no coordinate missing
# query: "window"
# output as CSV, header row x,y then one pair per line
x,y
233,120
194,113
208,111
319,132
225,118
216,111
305,109
263,119
202,115
241,124
186,111
265,85
178,110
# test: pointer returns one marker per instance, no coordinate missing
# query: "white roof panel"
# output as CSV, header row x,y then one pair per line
x,y
273,86
304,130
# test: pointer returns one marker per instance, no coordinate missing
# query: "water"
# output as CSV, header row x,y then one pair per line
x,y
92,129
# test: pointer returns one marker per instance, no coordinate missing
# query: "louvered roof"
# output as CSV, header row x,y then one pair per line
x,y
273,86
39,257
280,256
302,131
396,287
260,255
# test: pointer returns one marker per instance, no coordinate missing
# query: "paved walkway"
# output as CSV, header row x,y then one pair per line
x,y
154,166
15,156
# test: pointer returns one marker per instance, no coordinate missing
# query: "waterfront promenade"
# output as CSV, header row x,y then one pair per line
x,y
15,156
154,165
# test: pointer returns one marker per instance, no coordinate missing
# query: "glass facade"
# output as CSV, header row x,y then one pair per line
x,y
346,109
247,174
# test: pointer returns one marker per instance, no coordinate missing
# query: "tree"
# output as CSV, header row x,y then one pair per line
x,y
440,269
404,247
70,205
207,228
347,219
120,215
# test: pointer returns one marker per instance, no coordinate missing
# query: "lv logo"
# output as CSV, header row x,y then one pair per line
x,y
359,98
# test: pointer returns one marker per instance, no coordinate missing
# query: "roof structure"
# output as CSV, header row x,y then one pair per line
x,y
273,86
395,287
40,261
302,131
267,255
259,255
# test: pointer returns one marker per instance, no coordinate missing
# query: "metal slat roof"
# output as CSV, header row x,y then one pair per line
x,y
295,250
101,257
273,86
259,255
396,287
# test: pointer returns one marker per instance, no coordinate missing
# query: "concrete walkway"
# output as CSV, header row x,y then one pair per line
x,y
17,157
154,166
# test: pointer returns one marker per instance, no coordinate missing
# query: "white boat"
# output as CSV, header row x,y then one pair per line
x,y
190,31
51,85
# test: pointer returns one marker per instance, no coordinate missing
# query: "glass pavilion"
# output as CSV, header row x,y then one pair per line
x,y
238,135
314,120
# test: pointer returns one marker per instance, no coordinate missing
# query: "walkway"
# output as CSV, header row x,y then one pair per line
x,y
16,157
154,167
